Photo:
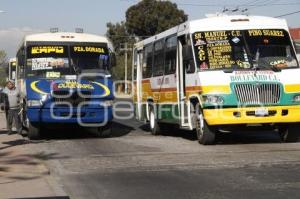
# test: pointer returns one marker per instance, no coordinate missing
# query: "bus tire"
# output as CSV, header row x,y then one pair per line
x,y
105,131
290,133
153,123
206,134
33,131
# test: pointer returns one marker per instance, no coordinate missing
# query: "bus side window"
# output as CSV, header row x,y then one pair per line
x,y
188,62
158,66
148,61
20,64
297,46
170,55
134,64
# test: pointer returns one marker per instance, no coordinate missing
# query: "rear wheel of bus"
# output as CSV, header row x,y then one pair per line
x,y
289,133
206,134
153,123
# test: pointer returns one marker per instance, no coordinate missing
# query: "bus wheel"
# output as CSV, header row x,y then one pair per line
x,y
105,131
154,126
289,133
205,133
33,131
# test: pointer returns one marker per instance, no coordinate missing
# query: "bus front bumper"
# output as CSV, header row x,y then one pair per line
x,y
252,115
64,115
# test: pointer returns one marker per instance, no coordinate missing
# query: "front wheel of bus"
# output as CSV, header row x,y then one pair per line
x,y
154,126
105,131
33,131
206,134
290,133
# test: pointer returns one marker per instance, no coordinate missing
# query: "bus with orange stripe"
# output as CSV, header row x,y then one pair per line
x,y
217,74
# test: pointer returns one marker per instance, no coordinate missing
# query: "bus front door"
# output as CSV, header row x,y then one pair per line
x,y
138,83
181,86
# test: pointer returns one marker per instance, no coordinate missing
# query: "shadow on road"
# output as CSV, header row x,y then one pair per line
x,y
235,137
78,132
2,132
14,143
55,197
258,137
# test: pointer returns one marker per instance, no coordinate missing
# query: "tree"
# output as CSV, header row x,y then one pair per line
x,y
150,17
3,58
3,67
119,70
144,19
119,35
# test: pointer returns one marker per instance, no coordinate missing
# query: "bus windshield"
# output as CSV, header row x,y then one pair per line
x,y
244,49
89,57
56,61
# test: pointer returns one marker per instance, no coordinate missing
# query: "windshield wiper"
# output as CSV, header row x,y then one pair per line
x,y
75,68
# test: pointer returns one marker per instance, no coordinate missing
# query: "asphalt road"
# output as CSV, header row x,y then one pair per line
x,y
133,164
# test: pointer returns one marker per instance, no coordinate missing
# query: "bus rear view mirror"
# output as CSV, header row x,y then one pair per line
x,y
113,60
187,52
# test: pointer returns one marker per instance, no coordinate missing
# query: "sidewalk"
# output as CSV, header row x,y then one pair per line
x,y
22,174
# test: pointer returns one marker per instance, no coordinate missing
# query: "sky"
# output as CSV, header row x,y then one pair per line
x,y
21,17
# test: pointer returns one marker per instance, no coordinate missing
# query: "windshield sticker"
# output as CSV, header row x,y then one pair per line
x,y
236,40
47,50
41,64
279,63
204,65
200,42
88,49
49,63
53,74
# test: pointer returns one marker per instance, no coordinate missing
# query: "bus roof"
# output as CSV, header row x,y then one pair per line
x,y
230,22
13,59
67,37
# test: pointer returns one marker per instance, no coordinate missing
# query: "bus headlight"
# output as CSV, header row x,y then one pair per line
x,y
34,103
107,103
213,99
44,98
296,98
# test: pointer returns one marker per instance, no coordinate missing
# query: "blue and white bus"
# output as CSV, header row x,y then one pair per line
x,y
64,79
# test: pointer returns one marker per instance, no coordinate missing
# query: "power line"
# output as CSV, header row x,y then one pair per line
x,y
251,3
130,36
233,5
287,14
265,3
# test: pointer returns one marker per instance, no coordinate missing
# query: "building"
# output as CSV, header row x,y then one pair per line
x,y
295,33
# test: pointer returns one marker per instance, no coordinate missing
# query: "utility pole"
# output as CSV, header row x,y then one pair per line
x,y
126,49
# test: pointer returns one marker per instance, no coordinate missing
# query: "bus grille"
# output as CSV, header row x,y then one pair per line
x,y
258,93
74,98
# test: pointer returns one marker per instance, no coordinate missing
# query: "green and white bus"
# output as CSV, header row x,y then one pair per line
x,y
219,73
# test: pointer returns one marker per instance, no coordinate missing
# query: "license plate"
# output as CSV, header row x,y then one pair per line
x,y
261,112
